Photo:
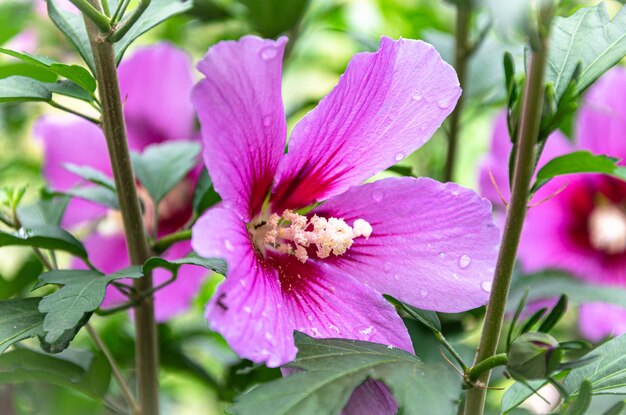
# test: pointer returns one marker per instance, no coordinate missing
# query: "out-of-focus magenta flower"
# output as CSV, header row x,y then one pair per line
x,y
582,229
156,84
322,271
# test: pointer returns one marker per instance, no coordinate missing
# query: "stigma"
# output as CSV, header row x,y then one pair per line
x,y
607,229
292,233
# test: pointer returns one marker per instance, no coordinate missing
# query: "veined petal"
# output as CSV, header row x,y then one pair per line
x,y
242,119
598,321
371,398
602,118
433,245
156,84
69,139
386,105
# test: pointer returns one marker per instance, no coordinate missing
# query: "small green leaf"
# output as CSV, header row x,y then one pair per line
x,y
607,374
272,18
97,194
580,405
333,368
157,12
23,365
19,319
590,37
215,264
72,26
162,166
91,175
13,16
519,392
21,88
557,312
81,293
578,162
48,210
70,89
205,195
45,237
426,317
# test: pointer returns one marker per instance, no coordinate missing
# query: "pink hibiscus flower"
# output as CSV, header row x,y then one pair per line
x,y
581,230
156,111
323,270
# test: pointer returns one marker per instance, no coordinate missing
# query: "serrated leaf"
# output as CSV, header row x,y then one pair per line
x,y
91,175
607,373
157,12
551,284
19,319
45,237
24,365
590,37
426,317
333,368
578,162
73,27
215,264
21,88
162,166
81,293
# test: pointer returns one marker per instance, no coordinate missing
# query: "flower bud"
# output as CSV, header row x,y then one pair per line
x,y
533,355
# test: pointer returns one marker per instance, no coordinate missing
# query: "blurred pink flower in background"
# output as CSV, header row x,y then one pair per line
x,y
582,229
323,271
156,85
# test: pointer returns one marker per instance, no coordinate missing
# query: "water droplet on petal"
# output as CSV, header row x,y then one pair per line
x,y
423,292
464,261
267,120
442,254
396,277
377,195
386,266
309,317
229,245
269,52
399,156
417,96
455,193
486,286
247,309
445,102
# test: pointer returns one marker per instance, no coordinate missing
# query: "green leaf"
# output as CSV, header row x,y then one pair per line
x,y
607,373
215,264
519,392
21,88
578,162
590,37
272,18
97,194
45,237
157,12
48,210
333,368
580,405
205,195
22,279
77,74
70,89
162,166
73,27
552,284
426,317
81,293
91,175
557,312
90,376
13,17
19,319
617,409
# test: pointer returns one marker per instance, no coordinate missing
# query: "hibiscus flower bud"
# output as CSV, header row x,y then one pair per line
x,y
533,355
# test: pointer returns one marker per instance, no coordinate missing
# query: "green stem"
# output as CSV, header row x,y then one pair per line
x,y
444,342
117,373
461,54
93,14
165,242
486,365
113,126
119,11
120,31
524,168
71,111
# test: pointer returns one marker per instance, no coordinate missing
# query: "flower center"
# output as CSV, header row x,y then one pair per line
x,y
607,229
293,234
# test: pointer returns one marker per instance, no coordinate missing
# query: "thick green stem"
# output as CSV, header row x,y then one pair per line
x,y
160,245
93,14
114,130
486,365
524,168
461,54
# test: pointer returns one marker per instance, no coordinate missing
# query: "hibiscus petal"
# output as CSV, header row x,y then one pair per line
x,y
69,139
386,105
242,119
156,84
599,320
602,119
433,245
371,398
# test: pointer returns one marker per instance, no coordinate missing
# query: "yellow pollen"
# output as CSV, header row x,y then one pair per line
x,y
293,233
607,229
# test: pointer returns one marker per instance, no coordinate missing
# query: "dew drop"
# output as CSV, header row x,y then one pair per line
x,y
387,267
455,193
315,331
377,195
417,96
267,120
442,254
229,245
269,52
445,103
486,286
396,277
399,157
423,292
247,309
309,317
464,261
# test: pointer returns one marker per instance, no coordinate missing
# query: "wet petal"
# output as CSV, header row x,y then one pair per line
x,y
598,321
156,84
602,119
242,119
433,245
386,105
69,139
